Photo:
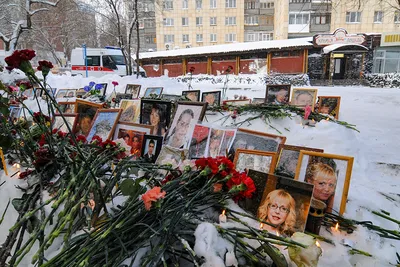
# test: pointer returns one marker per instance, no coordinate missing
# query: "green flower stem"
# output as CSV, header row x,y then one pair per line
x,y
385,216
354,251
321,238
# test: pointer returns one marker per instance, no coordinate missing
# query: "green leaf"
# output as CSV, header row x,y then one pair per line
x,y
130,187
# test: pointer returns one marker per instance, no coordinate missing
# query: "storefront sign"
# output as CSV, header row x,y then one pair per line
x,y
338,55
390,39
340,36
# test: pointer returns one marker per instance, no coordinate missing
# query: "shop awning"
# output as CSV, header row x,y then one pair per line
x,y
344,47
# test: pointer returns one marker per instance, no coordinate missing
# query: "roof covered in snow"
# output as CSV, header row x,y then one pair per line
x,y
229,48
333,47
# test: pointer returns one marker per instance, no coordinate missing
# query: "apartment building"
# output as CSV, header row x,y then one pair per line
x,y
259,20
194,23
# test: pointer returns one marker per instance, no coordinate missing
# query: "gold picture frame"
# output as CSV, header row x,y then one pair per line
x,y
318,194
327,102
300,97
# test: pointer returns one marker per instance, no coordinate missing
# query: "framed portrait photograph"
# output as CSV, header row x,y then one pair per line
x,y
61,125
104,123
80,93
151,147
187,114
28,93
153,91
260,182
66,93
199,141
330,174
131,140
252,140
15,112
254,159
156,113
66,107
277,94
258,100
227,140
130,110
86,110
133,89
212,98
214,142
37,92
285,204
171,154
288,159
328,105
147,129
301,97
192,95
238,102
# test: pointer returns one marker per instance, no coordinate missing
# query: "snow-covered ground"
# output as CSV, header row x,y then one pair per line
x,y
374,111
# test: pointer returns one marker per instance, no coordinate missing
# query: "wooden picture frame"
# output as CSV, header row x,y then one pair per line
x,y
133,89
153,91
267,167
277,94
68,93
294,195
163,111
119,97
329,105
3,161
249,139
66,107
15,112
213,98
237,102
329,197
80,93
87,111
301,97
107,124
130,110
130,139
288,157
147,129
172,98
64,128
187,114
192,95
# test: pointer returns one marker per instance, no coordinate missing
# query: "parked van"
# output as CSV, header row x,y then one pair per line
x,y
100,61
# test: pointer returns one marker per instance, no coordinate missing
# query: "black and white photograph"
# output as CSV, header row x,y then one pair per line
x,y
133,89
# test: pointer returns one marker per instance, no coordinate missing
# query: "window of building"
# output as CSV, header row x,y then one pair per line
x,y
213,37
213,3
266,20
397,17
250,37
213,21
263,36
299,18
185,21
300,1
199,21
250,5
378,16
266,5
199,38
93,60
185,4
169,38
230,3
230,20
353,17
230,37
386,61
168,4
141,24
251,20
199,4
150,39
185,38
149,23
168,22
321,19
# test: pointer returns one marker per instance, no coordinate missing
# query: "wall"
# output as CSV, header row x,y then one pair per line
x,y
174,69
219,67
252,65
287,65
150,70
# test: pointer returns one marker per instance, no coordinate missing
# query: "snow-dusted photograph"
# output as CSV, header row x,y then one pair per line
x,y
255,160
104,123
62,124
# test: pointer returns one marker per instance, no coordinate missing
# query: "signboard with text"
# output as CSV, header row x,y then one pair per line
x,y
340,36
390,39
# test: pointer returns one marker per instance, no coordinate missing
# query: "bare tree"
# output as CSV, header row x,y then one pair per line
x,y
23,11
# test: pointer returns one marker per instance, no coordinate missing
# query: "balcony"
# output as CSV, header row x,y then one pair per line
x,y
320,28
299,7
299,28
267,11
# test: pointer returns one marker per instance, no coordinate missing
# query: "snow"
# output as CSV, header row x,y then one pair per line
x,y
375,112
333,47
228,48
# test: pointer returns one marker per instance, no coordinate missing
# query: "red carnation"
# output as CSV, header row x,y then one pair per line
x,y
81,138
115,83
20,60
97,139
108,143
24,85
42,141
43,64
24,174
192,69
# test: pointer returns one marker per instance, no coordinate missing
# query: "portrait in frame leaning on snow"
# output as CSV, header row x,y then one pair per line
x,y
301,97
192,95
212,98
156,113
133,89
330,174
60,125
285,203
328,105
104,123
277,94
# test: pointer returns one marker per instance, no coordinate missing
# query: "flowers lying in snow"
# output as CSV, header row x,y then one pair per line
x,y
152,195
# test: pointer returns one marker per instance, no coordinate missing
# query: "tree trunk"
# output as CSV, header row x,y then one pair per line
x,y
137,40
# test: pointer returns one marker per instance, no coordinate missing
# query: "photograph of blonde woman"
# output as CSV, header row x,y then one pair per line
x,y
324,179
278,210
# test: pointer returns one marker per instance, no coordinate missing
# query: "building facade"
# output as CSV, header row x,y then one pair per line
x,y
185,24
259,20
